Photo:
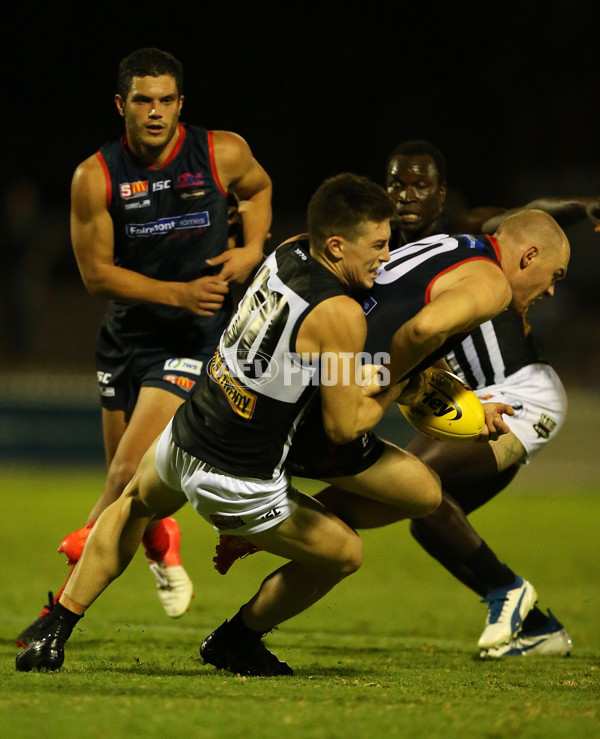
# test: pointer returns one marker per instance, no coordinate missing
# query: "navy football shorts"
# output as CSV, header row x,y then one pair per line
x,y
123,370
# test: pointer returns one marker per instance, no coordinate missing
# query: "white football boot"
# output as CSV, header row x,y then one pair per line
x,y
550,639
507,608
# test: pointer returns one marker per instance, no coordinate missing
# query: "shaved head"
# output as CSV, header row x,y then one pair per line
x,y
535,255
535,226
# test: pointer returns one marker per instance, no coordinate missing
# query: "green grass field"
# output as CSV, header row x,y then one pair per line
x,y
390,652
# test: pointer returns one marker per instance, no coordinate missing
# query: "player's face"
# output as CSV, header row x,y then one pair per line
x,y
151,112
539,279
364,255
413,182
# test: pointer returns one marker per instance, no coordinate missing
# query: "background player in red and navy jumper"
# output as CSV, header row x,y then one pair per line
x,y
149,227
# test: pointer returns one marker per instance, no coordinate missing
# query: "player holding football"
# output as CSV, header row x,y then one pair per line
x,y
425,299
500,362
149,226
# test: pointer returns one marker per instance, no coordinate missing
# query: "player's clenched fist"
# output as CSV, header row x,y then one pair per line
x,y
205,295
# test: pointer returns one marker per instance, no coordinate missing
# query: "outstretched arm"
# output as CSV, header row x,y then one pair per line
x,y
566,211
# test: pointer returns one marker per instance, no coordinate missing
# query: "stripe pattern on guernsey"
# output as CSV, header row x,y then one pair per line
x,y
494,351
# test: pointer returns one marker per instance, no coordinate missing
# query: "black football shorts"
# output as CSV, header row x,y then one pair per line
x,y
123,370
315,456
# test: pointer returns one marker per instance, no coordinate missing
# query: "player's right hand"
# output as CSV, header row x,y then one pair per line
x,y
495,426
370,379
204,296
412,389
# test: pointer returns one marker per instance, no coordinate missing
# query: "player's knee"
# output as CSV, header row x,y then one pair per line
x,y
438,518
429,498
132,504
120,474
355,558
348,558
425,530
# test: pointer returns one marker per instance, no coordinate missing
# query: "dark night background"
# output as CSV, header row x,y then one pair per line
x,y
509,92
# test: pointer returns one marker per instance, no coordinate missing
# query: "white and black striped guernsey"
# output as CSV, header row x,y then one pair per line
x,y
242,416
495,350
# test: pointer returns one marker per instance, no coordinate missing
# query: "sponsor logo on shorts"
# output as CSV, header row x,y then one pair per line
x,y
223,522
189,221
544,427
183,364
180,381
103,380
273,513
137,189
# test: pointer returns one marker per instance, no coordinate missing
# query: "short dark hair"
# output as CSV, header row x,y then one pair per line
x,y
149,62
342,204
421,147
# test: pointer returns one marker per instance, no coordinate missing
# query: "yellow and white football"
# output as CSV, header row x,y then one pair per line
x,y
445,408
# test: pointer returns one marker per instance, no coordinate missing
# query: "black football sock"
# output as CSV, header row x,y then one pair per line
x,y
63,621
535,619
488,568
239,632
447,556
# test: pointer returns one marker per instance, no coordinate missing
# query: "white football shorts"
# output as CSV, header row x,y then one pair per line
x,y
540,403
233,505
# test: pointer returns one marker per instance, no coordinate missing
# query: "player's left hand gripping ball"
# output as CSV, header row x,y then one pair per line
x,y
445,408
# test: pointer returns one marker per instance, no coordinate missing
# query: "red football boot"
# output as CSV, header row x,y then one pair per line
x,y
231,548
